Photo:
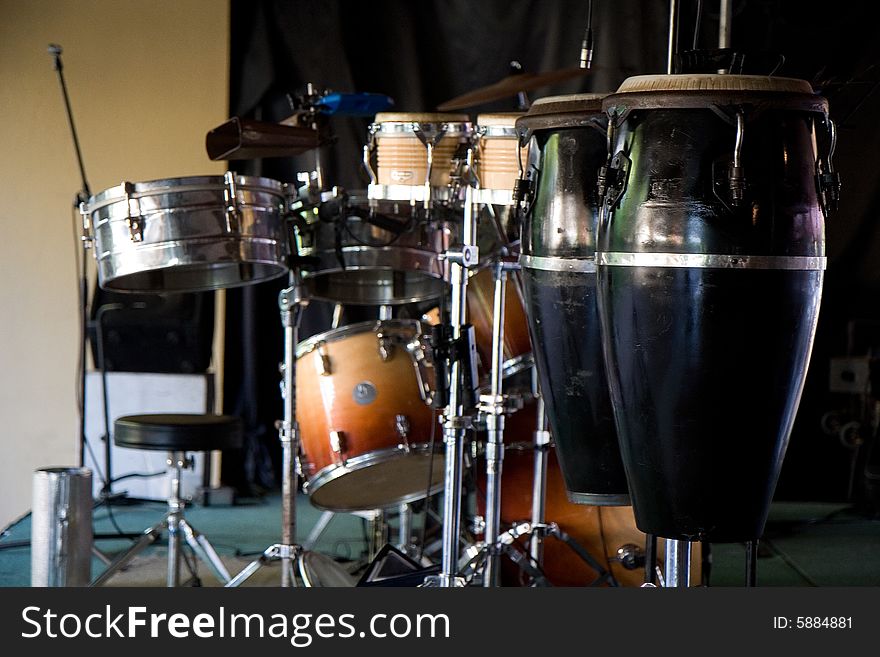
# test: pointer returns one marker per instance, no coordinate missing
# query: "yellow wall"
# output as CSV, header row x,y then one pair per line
x,y
147,79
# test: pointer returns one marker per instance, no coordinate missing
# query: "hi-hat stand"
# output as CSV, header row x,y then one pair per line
x,y
291,302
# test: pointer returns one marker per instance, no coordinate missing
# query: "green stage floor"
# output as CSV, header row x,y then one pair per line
x,y
805,544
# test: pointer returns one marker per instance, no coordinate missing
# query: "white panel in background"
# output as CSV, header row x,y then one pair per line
x,y
131,393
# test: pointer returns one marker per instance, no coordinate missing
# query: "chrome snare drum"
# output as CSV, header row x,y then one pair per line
x,y
376,253
189,234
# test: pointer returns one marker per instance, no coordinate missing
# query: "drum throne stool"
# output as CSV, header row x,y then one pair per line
x,y
177,434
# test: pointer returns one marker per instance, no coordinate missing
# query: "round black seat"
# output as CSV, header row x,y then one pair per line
x,y
178,432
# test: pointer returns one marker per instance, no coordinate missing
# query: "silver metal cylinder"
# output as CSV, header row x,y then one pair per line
x,y
673,36
539,480
678,564
495,434
454,431
61,527
724,23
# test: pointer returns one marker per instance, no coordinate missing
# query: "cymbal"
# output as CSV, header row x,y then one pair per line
x,y
512,85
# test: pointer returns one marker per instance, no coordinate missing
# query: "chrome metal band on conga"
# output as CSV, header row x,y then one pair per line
x,y
710,263
567,148
189,234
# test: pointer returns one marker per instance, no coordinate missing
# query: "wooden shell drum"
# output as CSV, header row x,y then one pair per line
x,y
601,530
189,234
366,428
710,259
480,301
498,168
376,253
403,157
568,146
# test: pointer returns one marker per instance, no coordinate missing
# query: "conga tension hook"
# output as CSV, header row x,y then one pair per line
x,y
827,179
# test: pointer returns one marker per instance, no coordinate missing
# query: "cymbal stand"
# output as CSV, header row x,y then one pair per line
x,y
494,407
539,480
291,302
456,422
677,572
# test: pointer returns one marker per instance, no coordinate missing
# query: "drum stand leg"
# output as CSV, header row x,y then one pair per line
x,y
539,481
456,422
752,563
678,564
291,303
495,434
404,531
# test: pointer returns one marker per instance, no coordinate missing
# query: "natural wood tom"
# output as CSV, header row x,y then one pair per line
x,y
499,156
602,530
402,155
365,426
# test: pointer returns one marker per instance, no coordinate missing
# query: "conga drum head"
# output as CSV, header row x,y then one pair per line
x,y
556,112
710,259
189,234
376,253
368,435
402,155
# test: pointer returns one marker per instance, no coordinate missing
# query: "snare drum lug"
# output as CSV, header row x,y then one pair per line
x,y
233,212
134,219
402,426
386,347
337,445
827,179
325,367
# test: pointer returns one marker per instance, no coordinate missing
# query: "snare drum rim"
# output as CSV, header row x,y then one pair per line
x,y
334,335
332,472
213,183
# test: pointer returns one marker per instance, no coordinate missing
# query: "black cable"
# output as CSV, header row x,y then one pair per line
x,y
143,475
434,423
697,21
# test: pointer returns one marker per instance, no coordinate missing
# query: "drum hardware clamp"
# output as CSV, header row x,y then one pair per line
x,y
291,303
827,179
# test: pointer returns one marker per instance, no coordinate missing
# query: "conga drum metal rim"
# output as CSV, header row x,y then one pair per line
x,y
559,112
189,234
354,456
704,91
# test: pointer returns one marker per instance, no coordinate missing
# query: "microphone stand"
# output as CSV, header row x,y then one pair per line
x,y
82,197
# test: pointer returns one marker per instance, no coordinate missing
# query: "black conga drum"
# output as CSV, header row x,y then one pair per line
x,y
710,263
567,147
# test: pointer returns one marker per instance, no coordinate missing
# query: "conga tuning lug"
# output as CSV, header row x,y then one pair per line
x,y
613,179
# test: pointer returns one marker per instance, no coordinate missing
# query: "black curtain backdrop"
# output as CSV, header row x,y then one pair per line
x,y
426,52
